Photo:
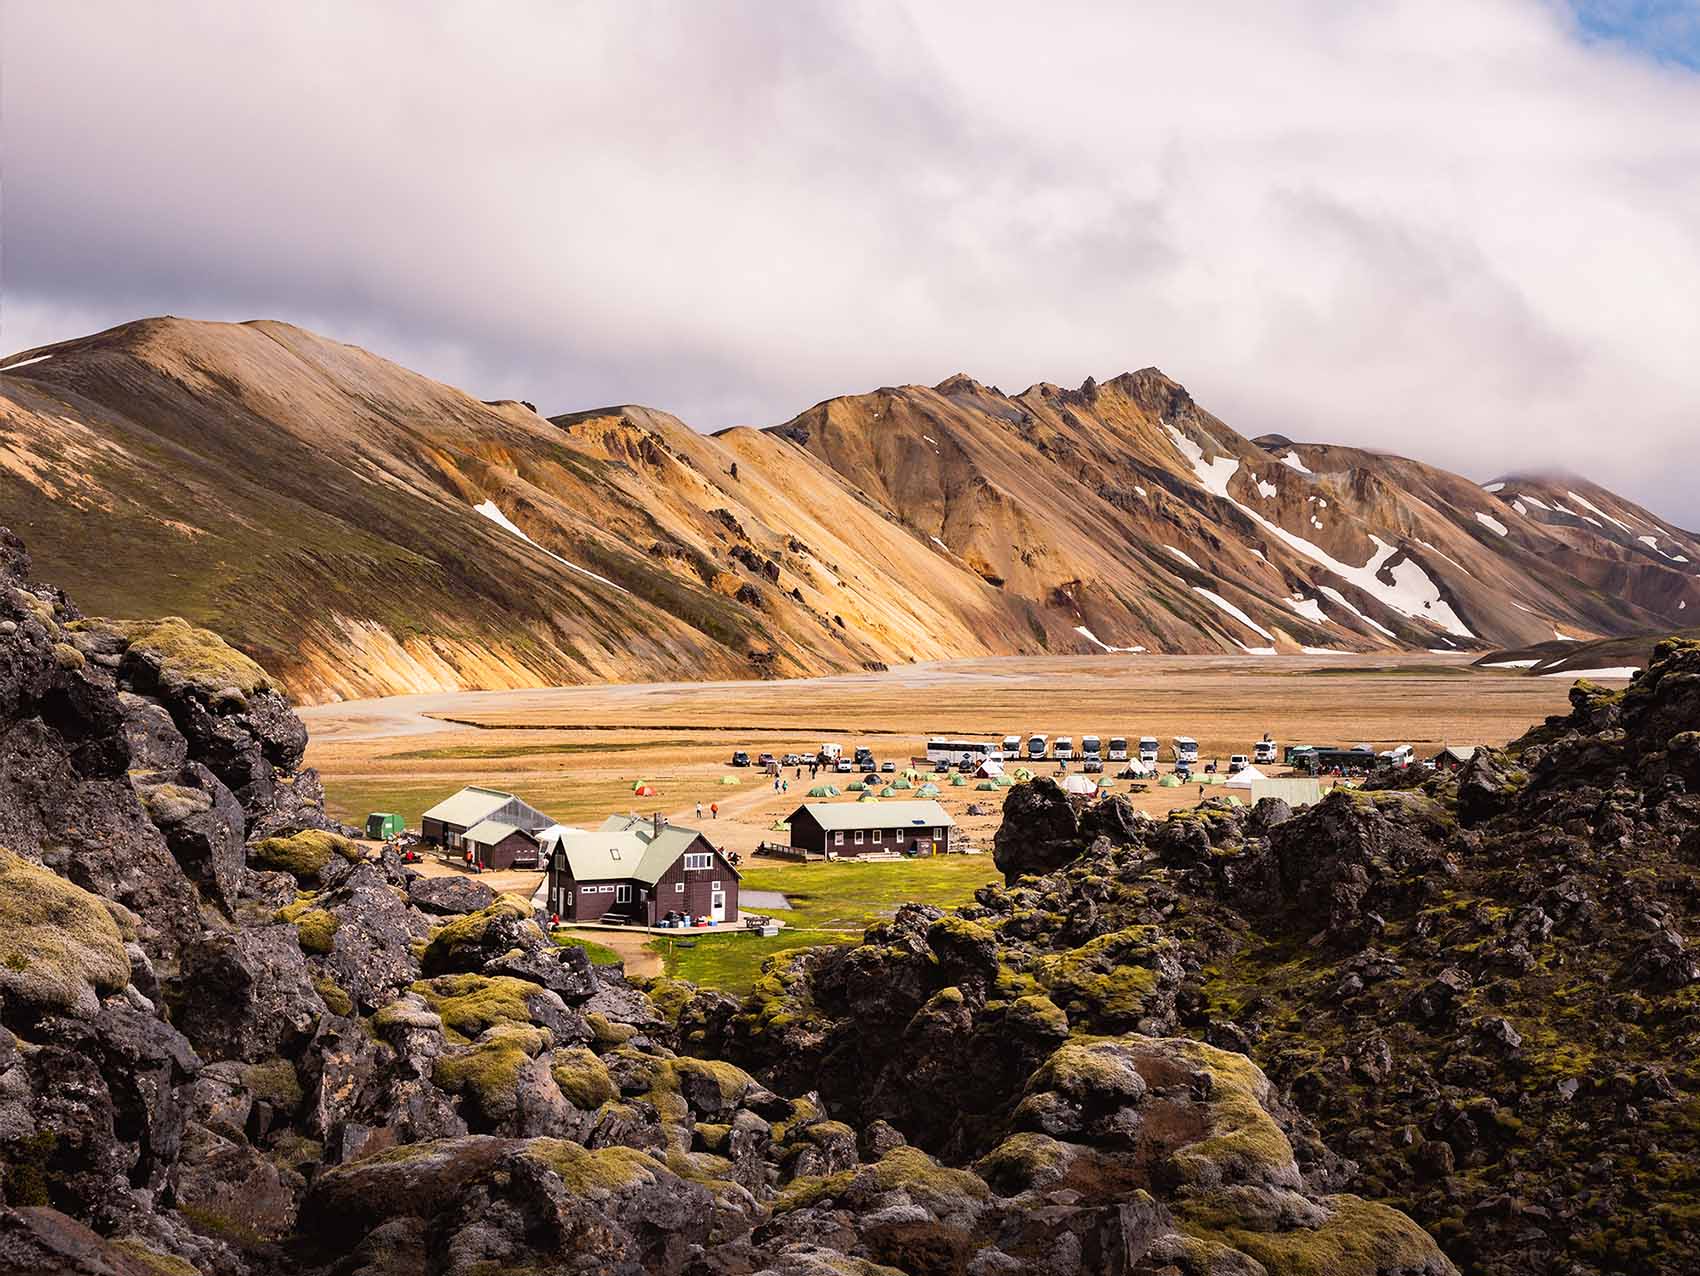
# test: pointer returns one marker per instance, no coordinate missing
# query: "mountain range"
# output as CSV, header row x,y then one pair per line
x,y
361,529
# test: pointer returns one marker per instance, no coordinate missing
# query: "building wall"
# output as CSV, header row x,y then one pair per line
x,y
515,847
806,833
592,900
890,840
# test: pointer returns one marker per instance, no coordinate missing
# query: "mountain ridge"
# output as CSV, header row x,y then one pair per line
x,y
361,529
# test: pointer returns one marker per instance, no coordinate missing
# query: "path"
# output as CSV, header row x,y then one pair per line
x,y
633,949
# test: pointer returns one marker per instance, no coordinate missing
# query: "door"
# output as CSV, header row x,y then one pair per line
x,y
717,906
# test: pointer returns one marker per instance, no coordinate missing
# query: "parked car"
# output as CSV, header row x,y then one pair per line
x,y
888,766
790,759
1237,763
843,766
866,765
767,759
740,758
941,768
1091,766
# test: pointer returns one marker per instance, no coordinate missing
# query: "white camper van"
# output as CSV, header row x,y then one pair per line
x,y
1118,748
1186,750
1091,747
1062,749
1012,748
1148,749
1263,752
1037,747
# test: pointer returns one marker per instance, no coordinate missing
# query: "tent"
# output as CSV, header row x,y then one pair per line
x,y
825,790
856,786
888,791
901,783
1136,770
990,769
1003,782
985,786
729,779
867,797
927,790
1079,785
1022,773
910,773
958,780
639,784
644,790
1169,782
1246,778
1104,785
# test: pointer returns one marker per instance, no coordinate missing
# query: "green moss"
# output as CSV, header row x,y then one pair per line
x,y
906,1169
1108,979
190,657
60,948
489,1071
336,1000
469,930
1243,1143
583,1078
1038,1015
137,1251
607,1032
1023,1161
596,1173
1358,1236
470,1004
303,856
275,1082
25,1170
670,997
315,927
215,1223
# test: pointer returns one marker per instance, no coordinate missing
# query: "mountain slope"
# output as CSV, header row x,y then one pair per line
x,y
361,529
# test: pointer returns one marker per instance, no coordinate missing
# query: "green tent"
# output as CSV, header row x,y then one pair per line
x,y
867,797
888,791
1104,786
901,783
824,790
927,790
1003,782
856,786
911,774
1022,773
729,779
1169,782
381,826
985,786
958,780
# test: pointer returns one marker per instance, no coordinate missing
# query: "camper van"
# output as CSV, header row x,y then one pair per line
x,y
830,752
1036,747
1118,748
1091,747
1399,757
1263,752
1062,749
1012,748
1148,749
1237,763
1186,750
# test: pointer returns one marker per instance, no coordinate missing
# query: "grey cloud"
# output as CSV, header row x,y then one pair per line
x,y
1451,230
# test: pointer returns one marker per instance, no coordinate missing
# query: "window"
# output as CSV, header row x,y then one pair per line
x,y
714,886
858,837
698,863
838,839
622,894
613,852
938,835
678,888
879,835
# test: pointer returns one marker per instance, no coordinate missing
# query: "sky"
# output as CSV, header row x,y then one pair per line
x,y
1462,230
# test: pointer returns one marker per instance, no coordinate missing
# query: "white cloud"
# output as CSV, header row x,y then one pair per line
x,y
1453,229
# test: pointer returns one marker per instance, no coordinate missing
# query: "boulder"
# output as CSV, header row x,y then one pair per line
x,y
247,994
1040,831
466,943
450,894
61,951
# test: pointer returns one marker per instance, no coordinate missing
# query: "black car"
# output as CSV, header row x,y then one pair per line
x,y
740,758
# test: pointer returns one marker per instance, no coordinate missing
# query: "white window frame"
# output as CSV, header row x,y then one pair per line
x,y
678,888
859,837
879,836
838,838
623,894
938,835
698,862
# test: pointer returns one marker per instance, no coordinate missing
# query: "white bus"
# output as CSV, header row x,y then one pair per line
x,y
1011,748
1186,750
1062,748
1118,748
1037,745
1091,747
1148,749
956,752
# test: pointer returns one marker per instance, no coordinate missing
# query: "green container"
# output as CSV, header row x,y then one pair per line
x,y
381,826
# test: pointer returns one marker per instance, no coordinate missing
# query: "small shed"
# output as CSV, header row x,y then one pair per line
x,y
1452,757
495,845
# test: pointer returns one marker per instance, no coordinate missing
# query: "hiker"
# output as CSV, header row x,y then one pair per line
x,y
786,786
714,809
699,810
799,774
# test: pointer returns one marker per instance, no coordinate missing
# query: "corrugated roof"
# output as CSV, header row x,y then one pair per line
x,y
834,816
489,832
627,846
469,806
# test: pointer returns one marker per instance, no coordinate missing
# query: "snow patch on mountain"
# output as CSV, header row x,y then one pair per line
x,y
1292,461
1309,608
1236,613
1214,473
1586,504
1491,523
493,512
1184,557
1091,637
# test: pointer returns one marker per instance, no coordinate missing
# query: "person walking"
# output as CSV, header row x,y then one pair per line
x,y
714,810
699,810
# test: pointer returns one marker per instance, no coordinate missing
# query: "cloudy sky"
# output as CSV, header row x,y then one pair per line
x,y
1468,231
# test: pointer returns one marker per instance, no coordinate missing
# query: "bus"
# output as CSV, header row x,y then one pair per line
x,y
1012,748
1148,749
1037,746
1186,750
1091,747
1062,748
956,752
1118,748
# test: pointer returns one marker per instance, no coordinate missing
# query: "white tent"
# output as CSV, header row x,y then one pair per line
x,y
990,769
1136,770
1080,785
1246,778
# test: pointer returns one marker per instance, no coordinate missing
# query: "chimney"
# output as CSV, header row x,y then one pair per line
x,y
660,822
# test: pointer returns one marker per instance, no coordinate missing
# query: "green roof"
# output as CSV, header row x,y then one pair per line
x,y
845,816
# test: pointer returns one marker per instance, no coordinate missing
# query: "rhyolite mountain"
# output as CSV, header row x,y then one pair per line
x,y
360,529
233,1044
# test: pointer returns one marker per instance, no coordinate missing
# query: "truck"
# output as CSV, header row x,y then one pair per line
x,y
1118,748
1037,746
1148,749
1263,752
1062,748
1186,750
829,754
1012,748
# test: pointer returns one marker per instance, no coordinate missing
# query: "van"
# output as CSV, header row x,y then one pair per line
x,y
1036,747
1263,752
1186,750
1237,763
1063,748
830,752
1091,746
1118,748
1012,748
1148,749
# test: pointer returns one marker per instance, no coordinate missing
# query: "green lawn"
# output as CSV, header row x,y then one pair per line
x,y
830,904
599,955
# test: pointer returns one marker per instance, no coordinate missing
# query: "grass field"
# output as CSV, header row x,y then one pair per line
x,y
599,954
830,904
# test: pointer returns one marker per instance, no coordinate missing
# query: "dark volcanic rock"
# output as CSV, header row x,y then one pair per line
x,y
1040,830
247,994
